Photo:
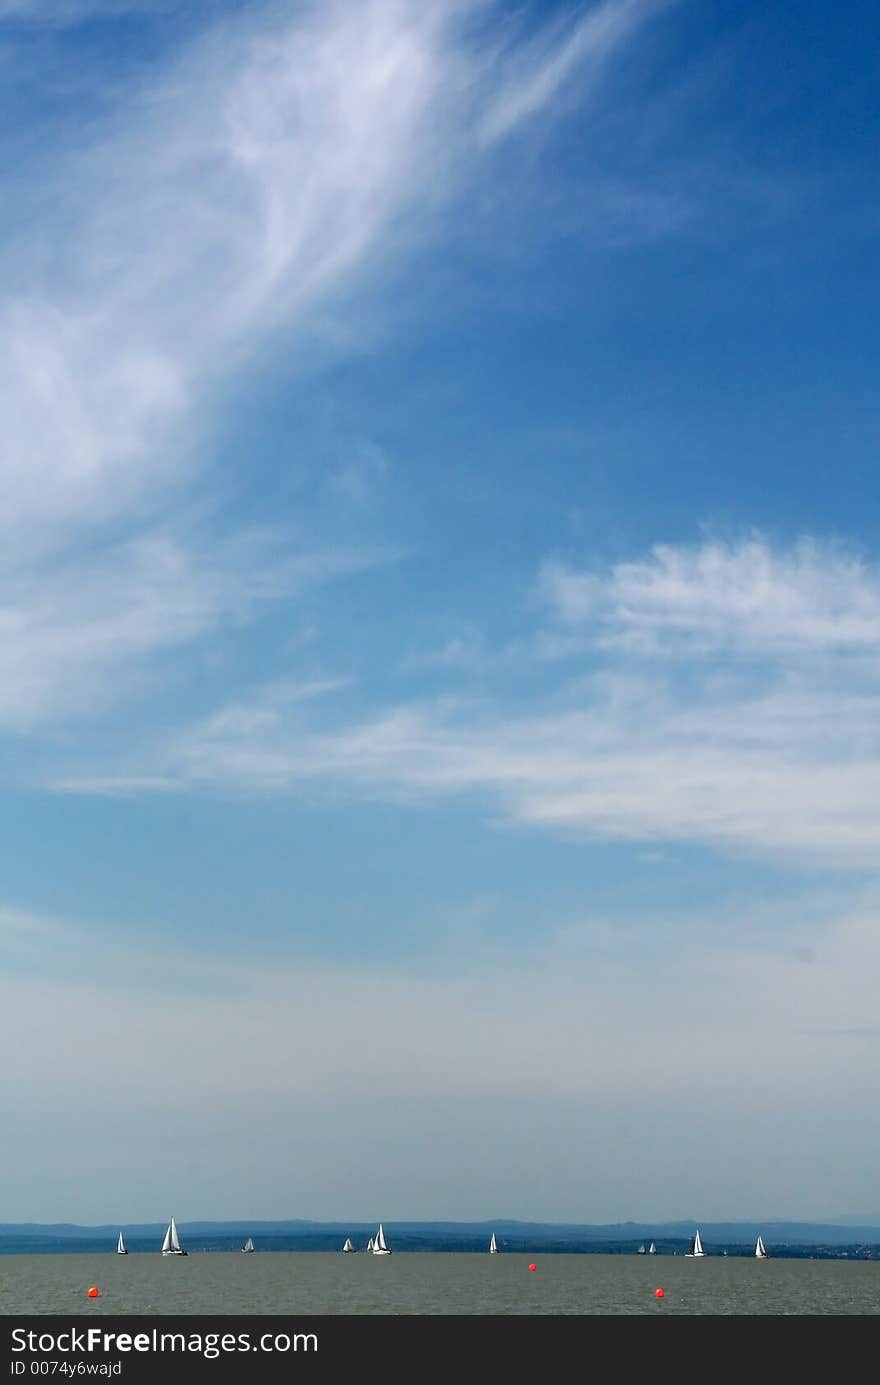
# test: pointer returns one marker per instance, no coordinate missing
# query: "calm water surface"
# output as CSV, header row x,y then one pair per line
x,y
428,1284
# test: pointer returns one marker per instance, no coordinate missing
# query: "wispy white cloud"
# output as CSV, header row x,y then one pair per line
x,y
239,194
568,49
79,640
747,598
239,191
779,756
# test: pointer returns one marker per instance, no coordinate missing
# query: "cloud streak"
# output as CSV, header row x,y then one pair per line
x,y
94,633
238,197
652,738
541,67
241,192
746,599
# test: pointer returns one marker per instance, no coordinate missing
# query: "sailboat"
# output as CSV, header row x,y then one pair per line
x,y
696,1249
641,1249
379,1246
493,1245
171,1244
369,1245
248,1247
348,1247
760,1249
652,1249
120,1246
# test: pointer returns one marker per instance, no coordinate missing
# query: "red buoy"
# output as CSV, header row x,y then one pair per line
x,y
533,1267
93,1291
658,1293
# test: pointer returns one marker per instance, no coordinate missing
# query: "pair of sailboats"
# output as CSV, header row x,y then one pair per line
x,y
376,1245
170,1246
652,1250
697,1248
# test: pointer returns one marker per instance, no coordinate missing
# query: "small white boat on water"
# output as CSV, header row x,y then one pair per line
x,y
348,1248
760,1249
696,1249
248,1247
171,1245
120,1246
379,1247
641,1250
493,1245
652,1249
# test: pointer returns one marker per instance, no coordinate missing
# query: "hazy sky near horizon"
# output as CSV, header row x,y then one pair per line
x,y
439,610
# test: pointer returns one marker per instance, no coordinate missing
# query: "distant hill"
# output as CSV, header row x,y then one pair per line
x,y
781,1238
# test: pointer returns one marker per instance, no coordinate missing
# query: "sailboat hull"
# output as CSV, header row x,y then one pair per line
x,y
175,1252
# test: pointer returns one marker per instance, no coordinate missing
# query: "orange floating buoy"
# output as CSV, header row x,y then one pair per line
x,y
533,1267
93,1291
658,1293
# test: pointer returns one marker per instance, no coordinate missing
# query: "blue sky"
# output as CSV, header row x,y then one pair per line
x,y
440,610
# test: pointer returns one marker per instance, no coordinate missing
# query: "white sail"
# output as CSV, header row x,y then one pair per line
x,y
370,1244
379,1246
652,1249
348,1247
696,1248
120,1246
641,1249
171,1244
493,1245
760,1250
248,1247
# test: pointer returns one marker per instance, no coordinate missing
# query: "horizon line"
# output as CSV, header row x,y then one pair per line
x,y
847,1223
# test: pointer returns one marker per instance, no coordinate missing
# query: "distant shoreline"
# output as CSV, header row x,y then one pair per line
x,y
784,1240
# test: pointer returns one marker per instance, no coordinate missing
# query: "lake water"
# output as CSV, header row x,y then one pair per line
x,y
315,1283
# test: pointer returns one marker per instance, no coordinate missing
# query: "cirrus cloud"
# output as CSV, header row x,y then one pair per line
x,y
651,739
